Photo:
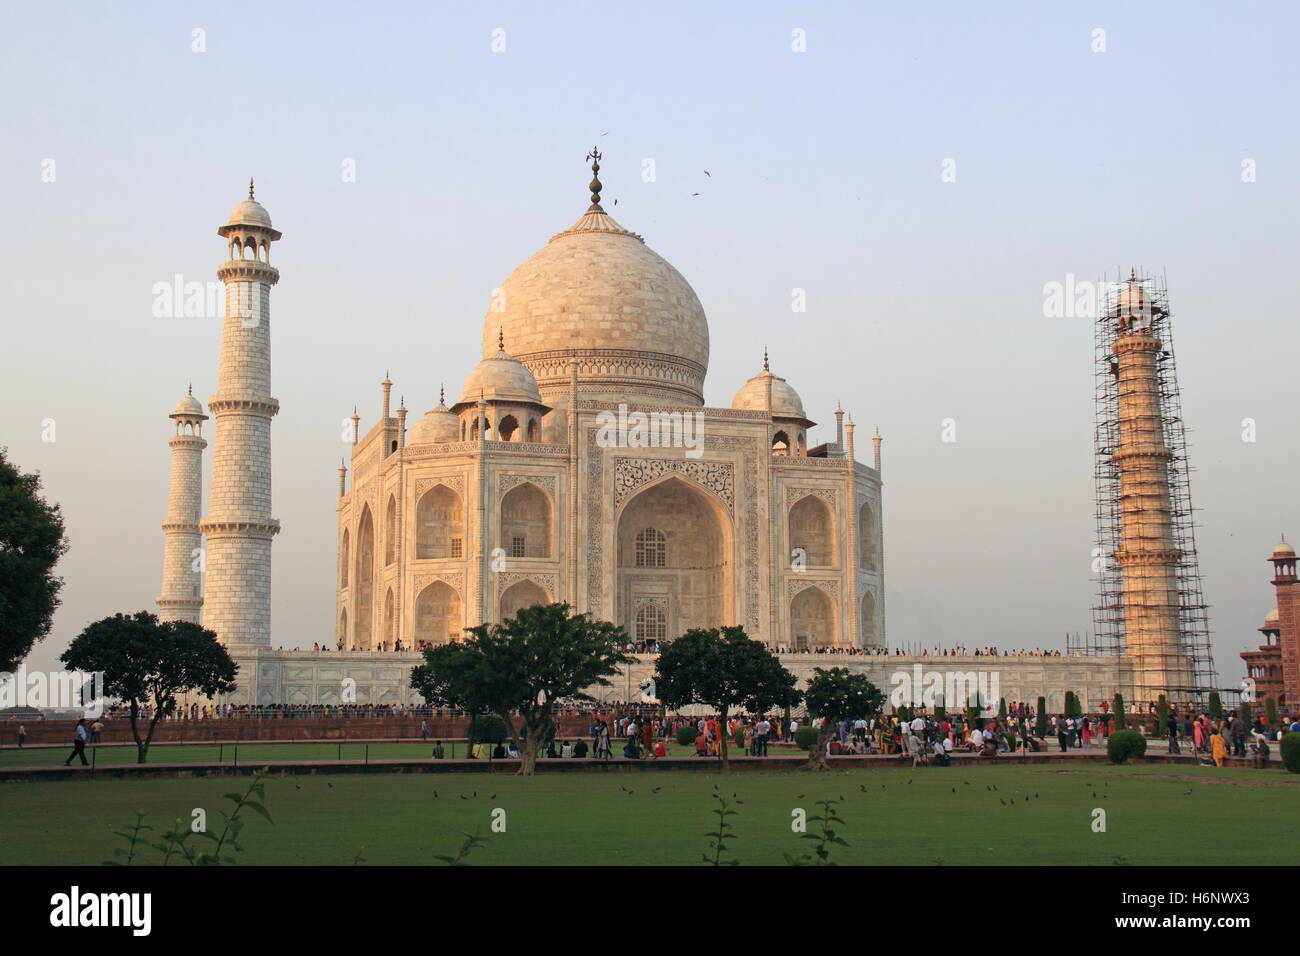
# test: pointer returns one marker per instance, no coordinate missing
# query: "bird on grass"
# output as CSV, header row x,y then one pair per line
x,y
435,794
798,796
328,784
1187,792
656,789
493,797
1001,801
862,787
463,797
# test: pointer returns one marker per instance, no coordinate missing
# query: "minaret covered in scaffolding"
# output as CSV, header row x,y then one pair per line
x,y
1150,609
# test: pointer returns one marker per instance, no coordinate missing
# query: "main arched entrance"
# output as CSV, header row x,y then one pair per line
x,y
674,568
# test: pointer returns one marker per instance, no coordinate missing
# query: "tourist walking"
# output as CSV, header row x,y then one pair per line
x,y
1172,723
22,735
1238,731
78,744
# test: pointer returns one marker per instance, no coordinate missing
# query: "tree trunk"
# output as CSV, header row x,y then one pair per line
x,y
535,730
817,752
725,732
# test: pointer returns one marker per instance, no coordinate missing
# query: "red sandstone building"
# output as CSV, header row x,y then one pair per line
x,y
1275,667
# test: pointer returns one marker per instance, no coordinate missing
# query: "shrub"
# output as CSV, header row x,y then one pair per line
x,y
490,729
1291,751
1120,720
806,736
1041,725
1216,706
686,735
1124,744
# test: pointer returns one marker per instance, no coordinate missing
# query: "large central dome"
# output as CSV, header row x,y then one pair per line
x,y
597,293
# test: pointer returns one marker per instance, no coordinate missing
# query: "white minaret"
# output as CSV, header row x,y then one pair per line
x,y
239,526
182,589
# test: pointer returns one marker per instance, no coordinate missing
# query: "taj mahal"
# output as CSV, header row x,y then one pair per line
x,y
576,463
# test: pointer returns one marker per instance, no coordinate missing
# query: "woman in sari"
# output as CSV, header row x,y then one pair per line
x,y
1198,735
1219,748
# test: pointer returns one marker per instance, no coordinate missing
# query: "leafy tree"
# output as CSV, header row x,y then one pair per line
x,y
1216,706
1162,715
456,675
1270,711
31,543
835,695
1121,721
940,713
1041,725
1002,712
145,661
525,665
1073,707
726,669
1246,713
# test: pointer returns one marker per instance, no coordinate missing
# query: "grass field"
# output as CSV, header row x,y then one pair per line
x,y
249,754
1231,817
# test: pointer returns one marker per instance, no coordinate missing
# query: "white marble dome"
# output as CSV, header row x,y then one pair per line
x,y
597,293
188,407
1133,299
785,400
503,378
250,212
435,427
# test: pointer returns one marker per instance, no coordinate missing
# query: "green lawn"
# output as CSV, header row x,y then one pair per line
x,y
1231,816
251,753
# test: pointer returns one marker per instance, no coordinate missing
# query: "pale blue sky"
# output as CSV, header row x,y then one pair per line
x,y
924,297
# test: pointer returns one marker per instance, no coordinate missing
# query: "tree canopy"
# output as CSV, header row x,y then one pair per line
x,y
147,661
835,695
31,543
524,665
725,669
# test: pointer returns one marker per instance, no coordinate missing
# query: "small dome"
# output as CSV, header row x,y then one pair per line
x,y
188,407
1284,550
437,426
501,378
250,212
1271,618
1133,299
785,400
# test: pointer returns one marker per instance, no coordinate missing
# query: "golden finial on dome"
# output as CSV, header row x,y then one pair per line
x,y
501,338
250,187
442,394
765,368
595,186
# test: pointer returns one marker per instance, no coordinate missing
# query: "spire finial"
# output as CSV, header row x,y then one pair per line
x,y
765,368
595,186
250,187
442,394
190,390
501,338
